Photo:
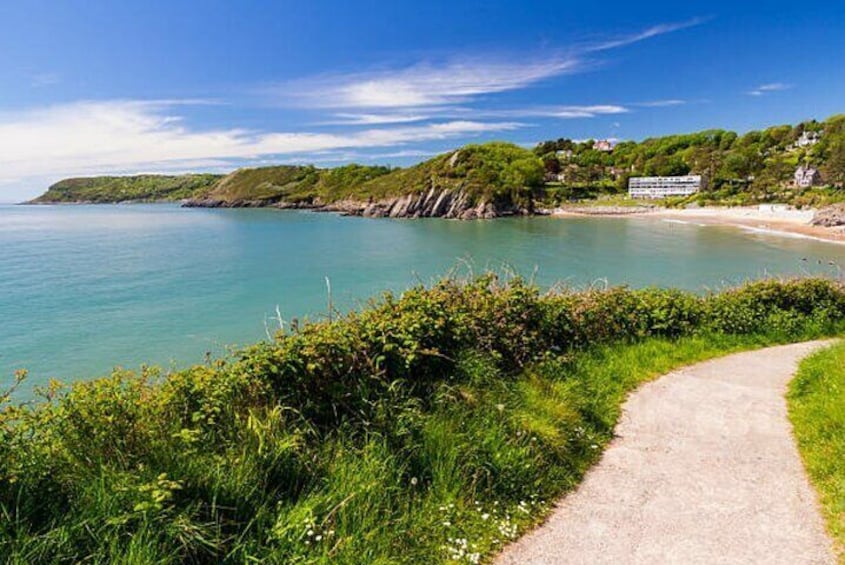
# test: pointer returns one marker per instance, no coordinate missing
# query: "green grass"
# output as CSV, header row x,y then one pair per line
x,y
138,188
817,409
434,427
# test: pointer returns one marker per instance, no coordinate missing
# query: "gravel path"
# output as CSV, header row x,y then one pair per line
x,y
704,469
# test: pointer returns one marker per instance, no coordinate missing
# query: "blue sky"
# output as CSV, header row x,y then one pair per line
x,y
124,87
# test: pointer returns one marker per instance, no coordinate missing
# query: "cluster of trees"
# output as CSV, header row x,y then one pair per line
x,y
758,164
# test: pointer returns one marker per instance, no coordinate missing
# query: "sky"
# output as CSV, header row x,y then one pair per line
x,y
126,87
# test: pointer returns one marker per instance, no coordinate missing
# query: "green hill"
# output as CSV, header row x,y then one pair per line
x,y
138,188
491,172
757,166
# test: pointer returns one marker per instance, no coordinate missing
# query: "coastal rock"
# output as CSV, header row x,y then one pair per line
x,y
434,203
831,216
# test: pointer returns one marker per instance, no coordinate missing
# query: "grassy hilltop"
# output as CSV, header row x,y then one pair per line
x,y
433,427
137,188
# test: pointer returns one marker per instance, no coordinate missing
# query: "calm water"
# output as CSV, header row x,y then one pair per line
x,y
85,288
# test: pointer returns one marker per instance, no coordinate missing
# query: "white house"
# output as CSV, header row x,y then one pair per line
x,y
661,187
805,177
604,145
808,138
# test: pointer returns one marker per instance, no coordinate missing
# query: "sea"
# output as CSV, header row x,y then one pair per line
x,y
85,289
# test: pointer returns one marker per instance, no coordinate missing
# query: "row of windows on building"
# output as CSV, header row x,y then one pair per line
x,y
661,187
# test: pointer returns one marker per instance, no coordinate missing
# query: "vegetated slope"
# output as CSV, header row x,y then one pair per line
x,y
477,180
758,166
817,410
428,428
137,188
291,183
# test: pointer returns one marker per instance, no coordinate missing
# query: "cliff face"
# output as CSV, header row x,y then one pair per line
x,y
435,203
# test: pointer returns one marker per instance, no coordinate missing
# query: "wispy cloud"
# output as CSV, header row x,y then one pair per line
x,y
769,88
653,31
352,119
562,112
45,79
101,137
451,82
424,84
660,103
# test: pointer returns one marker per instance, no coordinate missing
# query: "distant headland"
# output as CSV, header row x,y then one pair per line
x,y
801,165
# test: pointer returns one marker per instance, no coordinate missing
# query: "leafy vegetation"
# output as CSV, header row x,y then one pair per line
x,y
738,169
755,167
430,427
139,188
497,172
492,172
817,409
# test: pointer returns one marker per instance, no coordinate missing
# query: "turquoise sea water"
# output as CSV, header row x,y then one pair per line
x,y
86,288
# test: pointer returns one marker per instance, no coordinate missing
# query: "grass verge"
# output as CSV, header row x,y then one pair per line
x,y
817,410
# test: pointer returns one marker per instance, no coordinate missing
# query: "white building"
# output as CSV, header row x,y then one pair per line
x,y
805,177
808,138
661,187
606,145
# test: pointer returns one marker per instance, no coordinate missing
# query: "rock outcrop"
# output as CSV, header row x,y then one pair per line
x,y
831,216
435,203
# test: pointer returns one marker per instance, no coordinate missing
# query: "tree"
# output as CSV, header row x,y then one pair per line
x,y
834,169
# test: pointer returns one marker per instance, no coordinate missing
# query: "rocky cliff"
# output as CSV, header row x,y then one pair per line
x,y
434,203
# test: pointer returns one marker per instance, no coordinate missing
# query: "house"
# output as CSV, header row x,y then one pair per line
x,y
604,145
805,177
661,187
564,154
808,138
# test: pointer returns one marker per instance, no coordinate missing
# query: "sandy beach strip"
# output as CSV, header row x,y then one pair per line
x,y
774,220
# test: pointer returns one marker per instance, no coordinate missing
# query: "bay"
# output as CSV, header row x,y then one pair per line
x,y
86,288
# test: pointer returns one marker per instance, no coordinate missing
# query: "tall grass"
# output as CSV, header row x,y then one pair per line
x,y
817,410
431,427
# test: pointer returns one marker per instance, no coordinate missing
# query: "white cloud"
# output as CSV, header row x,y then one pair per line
x,y
424,84
448,83
560,112
767,88
660,103
653,31
464,113
351,119
112,136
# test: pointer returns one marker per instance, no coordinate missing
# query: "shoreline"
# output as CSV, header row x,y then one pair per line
x,y
781,222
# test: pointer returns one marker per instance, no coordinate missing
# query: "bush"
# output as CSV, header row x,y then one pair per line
x,y
363,426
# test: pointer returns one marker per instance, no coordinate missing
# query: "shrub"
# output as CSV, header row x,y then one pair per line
x,y
464,391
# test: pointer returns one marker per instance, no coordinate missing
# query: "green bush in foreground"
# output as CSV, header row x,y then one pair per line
x,y
817,409
431,427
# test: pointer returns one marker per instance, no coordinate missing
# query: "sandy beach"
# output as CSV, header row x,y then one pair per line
x,y
769,219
